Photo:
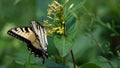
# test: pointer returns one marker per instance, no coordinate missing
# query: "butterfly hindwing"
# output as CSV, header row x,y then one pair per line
x,y
40,33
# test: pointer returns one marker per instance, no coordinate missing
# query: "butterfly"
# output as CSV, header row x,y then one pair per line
x,y
34,36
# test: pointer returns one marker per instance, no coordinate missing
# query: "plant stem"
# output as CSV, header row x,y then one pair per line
x,y
64,60
72,55
73,59
65,34
99,45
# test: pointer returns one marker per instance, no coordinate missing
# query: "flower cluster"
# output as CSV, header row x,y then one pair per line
x,y
56,15
54,7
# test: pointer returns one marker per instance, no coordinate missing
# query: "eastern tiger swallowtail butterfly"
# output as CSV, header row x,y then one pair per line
x,y
34,36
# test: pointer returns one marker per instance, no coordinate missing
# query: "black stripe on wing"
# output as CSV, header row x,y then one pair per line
x,y
11,33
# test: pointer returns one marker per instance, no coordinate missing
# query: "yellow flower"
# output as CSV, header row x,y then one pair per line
x,y
58,9
50,32
49,17
71,6
67,1
54,29
60,30
63,22
50,11
47,24
55,6
57,3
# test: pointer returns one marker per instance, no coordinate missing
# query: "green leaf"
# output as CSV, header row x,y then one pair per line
x,y
27,64
14,65
16,2
105,63
70,65
38,66
51,64
90,65
63,44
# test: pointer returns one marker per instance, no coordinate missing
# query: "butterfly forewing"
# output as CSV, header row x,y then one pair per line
x,y
27,35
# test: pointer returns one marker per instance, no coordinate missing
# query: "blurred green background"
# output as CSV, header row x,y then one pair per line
x,y
98,22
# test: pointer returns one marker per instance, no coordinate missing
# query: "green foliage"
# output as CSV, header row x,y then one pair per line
x,y
92,33
63,44
90,65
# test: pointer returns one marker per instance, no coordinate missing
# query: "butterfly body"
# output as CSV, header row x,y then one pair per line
x,y
34,36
